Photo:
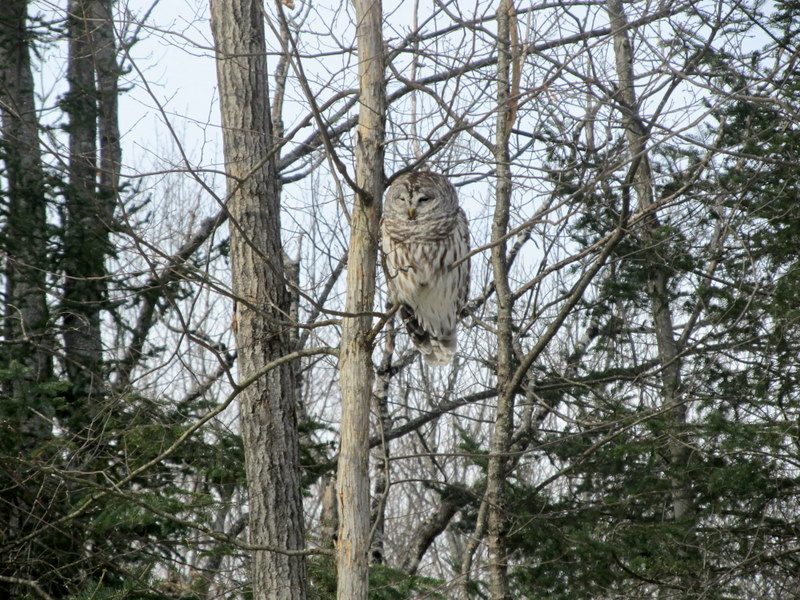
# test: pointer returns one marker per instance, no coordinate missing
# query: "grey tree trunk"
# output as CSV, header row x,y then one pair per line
x,y
497,522
355,358
88,215
268,403
25,232
24,410
658,276
104,53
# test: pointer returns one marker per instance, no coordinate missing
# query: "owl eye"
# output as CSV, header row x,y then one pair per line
x,y
423,199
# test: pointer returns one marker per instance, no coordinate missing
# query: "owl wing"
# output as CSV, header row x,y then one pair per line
x,y
429,287
461,240
395,262
438,310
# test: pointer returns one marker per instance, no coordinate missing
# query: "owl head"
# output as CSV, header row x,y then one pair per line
x,y
420,197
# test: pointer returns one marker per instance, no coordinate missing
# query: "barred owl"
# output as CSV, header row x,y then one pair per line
x,y
424,232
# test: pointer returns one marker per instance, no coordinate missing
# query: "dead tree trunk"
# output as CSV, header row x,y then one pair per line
x,y
268,402
355,359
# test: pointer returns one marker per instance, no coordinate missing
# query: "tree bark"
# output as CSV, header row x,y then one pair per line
x,y
497,522
268,404
25,232
104,53
87,215
382,452
355,359
658,276
24,410
431,528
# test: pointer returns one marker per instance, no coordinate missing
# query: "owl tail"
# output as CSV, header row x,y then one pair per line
x,y
438,350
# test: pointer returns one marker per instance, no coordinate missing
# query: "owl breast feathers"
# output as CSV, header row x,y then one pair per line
x,y
425,235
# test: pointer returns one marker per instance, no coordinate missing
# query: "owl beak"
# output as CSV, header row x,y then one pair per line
x,y
412,213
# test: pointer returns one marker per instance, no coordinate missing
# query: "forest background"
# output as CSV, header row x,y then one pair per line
x,y
203,396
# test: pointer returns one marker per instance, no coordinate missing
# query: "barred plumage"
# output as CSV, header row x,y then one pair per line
x,y
424,234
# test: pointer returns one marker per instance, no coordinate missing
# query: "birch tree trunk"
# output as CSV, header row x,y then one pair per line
x,y
381,453
501,435
355,359
268,403
657,288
